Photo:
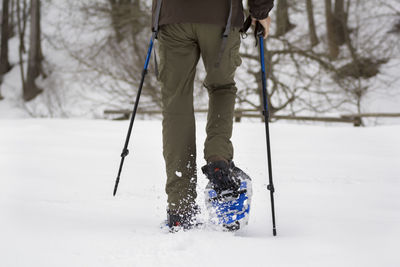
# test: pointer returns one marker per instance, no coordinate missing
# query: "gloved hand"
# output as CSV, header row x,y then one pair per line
x,y
265,23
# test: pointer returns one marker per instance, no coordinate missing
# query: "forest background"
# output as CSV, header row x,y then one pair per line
x,y
331,58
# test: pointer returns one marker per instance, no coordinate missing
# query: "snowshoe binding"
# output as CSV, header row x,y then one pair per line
x,y
228,195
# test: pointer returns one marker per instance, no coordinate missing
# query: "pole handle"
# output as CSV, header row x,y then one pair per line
x,y
259,30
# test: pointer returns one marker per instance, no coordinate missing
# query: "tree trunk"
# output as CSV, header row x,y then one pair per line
x,y
11,21
330,29
283,24
311,24
35,55
120,16
115,12
21,26
340,22
4,63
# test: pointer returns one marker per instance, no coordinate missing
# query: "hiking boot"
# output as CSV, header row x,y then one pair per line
x,y
185,220
221,176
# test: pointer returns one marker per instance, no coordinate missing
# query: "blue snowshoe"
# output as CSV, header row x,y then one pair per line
x,y
228,195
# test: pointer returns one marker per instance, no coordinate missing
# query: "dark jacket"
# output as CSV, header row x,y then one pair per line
x,y
210,11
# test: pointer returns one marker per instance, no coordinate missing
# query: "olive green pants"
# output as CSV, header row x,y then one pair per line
x,y
180,48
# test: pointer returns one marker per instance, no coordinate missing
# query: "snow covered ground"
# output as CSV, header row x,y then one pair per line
x,y
337,198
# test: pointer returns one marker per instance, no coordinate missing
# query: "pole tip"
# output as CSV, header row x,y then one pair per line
x,y
274,232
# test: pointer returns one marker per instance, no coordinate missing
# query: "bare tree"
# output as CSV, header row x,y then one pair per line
x,y
5,34
283,24
124,16
115,56
11,23
330,30
302,79
22,17
311,23
340,22
368,49
31,90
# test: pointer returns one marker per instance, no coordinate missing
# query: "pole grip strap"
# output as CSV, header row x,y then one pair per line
x,y
246,26
155,30
157,17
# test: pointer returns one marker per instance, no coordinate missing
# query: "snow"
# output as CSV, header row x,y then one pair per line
x,y
337,197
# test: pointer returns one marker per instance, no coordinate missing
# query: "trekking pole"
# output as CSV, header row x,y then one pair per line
x,y
125,150
259,32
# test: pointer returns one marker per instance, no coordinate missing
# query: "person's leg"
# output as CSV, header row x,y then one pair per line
x,y
179,55
221,88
